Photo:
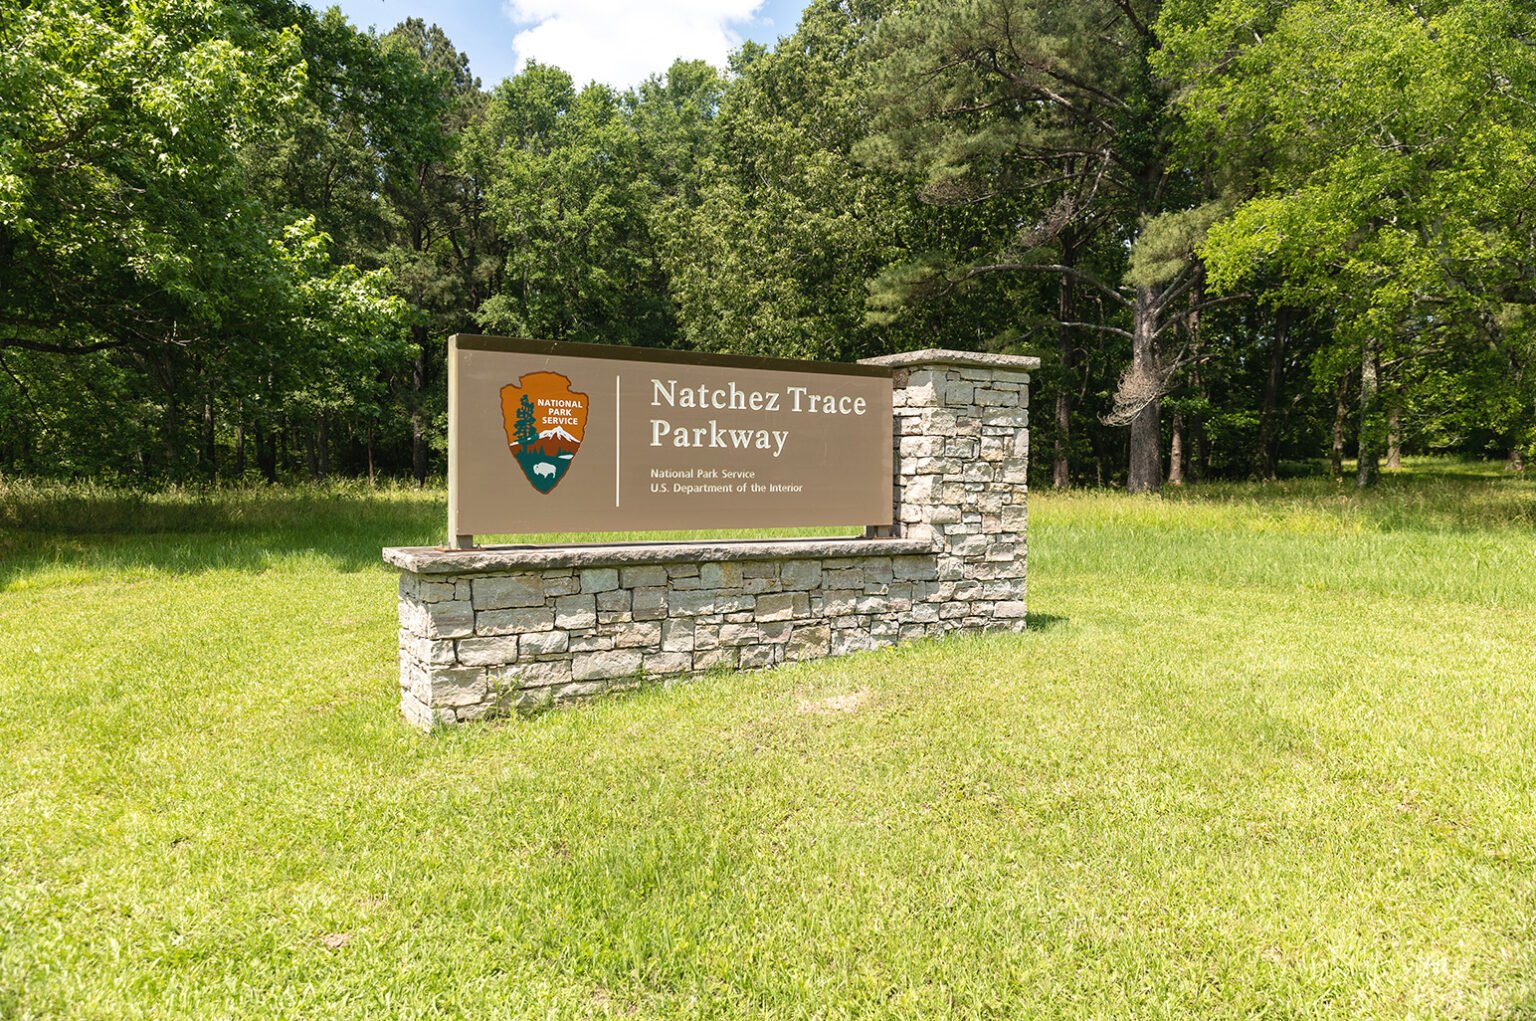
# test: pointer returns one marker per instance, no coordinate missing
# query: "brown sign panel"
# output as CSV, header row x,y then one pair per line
x,y
555,437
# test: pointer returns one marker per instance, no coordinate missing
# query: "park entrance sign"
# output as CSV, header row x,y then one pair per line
x,y
557,437
930,447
